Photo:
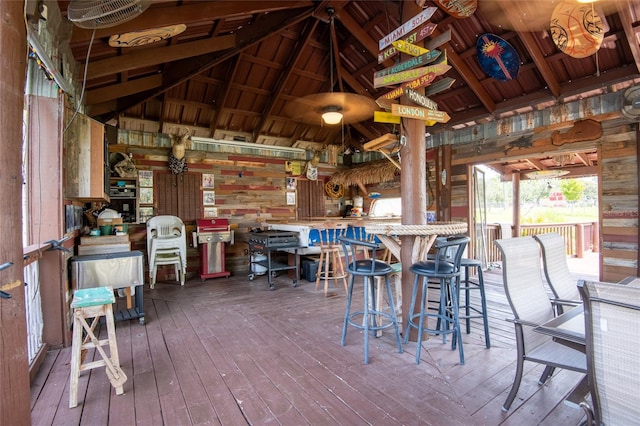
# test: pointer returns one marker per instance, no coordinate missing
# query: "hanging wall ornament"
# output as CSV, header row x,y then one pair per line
x,y
576,29
497,57
458,8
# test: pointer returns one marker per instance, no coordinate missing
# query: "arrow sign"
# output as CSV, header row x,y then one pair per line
x,y
443,38
420,99
409,111
384,100
439,86
412,23
408,48
420,34
424,59
401,77
388,118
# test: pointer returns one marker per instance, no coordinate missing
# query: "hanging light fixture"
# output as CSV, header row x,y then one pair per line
x,y
331,107
332,115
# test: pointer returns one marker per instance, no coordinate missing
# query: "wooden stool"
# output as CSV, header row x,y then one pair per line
x,y
330,266
94,303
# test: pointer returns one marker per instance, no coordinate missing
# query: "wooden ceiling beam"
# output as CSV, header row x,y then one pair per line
x,y
245,38
631,33
532,47
362,36
194,104
115,91
158,55
215,121
283,79
201,11
584,158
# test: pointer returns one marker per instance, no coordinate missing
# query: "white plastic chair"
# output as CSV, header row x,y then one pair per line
x,y
166,245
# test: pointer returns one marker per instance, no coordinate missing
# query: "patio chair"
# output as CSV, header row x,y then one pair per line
x,y
531,306
612,325
556,270
166,245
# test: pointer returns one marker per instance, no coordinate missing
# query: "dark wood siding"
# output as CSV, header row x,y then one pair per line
x,y
310,198
178,195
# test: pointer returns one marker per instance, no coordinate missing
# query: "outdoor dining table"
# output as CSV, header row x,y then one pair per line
x,y
568,328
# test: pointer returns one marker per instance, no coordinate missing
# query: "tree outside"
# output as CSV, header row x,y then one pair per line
x,y
543,200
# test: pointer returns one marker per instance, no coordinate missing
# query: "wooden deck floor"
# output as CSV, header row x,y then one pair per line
x,y
229,351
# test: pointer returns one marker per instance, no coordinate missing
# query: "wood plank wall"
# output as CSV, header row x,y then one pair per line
x,y
618,159
249,189
618,184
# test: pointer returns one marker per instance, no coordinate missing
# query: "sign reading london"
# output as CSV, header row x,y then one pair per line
x,y
412,23
410,111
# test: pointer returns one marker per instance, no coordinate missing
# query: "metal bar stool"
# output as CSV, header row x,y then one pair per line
x,y
445,269
467,285
372,318
94,303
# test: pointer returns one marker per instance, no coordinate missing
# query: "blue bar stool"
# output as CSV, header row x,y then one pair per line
x,y
372,319
444,267
467,285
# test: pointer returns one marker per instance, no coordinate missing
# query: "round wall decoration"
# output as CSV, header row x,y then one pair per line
x,y
458,8
497,57
576,29
140,38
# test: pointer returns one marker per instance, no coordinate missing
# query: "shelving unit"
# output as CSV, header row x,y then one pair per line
x,y
123,193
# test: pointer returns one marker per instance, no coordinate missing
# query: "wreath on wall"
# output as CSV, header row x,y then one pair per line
x,y
333,190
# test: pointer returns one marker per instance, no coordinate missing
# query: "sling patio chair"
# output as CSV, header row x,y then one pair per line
x,y
612,325
524,287
556,270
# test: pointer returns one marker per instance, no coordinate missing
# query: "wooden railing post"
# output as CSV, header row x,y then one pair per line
x,y
595,237
579,240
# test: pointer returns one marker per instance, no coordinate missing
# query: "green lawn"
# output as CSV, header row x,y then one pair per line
x,y
544,214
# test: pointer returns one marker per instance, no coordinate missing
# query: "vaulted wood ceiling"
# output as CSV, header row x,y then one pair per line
x,y
231,73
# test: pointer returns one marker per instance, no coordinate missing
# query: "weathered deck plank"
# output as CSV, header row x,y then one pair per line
x,y
229,351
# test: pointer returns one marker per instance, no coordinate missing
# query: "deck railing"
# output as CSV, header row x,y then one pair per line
x,y
578,237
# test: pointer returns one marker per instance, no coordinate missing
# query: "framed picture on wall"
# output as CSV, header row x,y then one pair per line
x,y
146,195
209,198
211,212
291,184
145,178
146,213
207,181
291,198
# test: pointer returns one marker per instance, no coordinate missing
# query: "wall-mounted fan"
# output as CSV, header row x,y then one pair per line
x,y
631,107
104,13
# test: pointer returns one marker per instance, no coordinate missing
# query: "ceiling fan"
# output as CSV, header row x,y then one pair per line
x,y
331,108
93,14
